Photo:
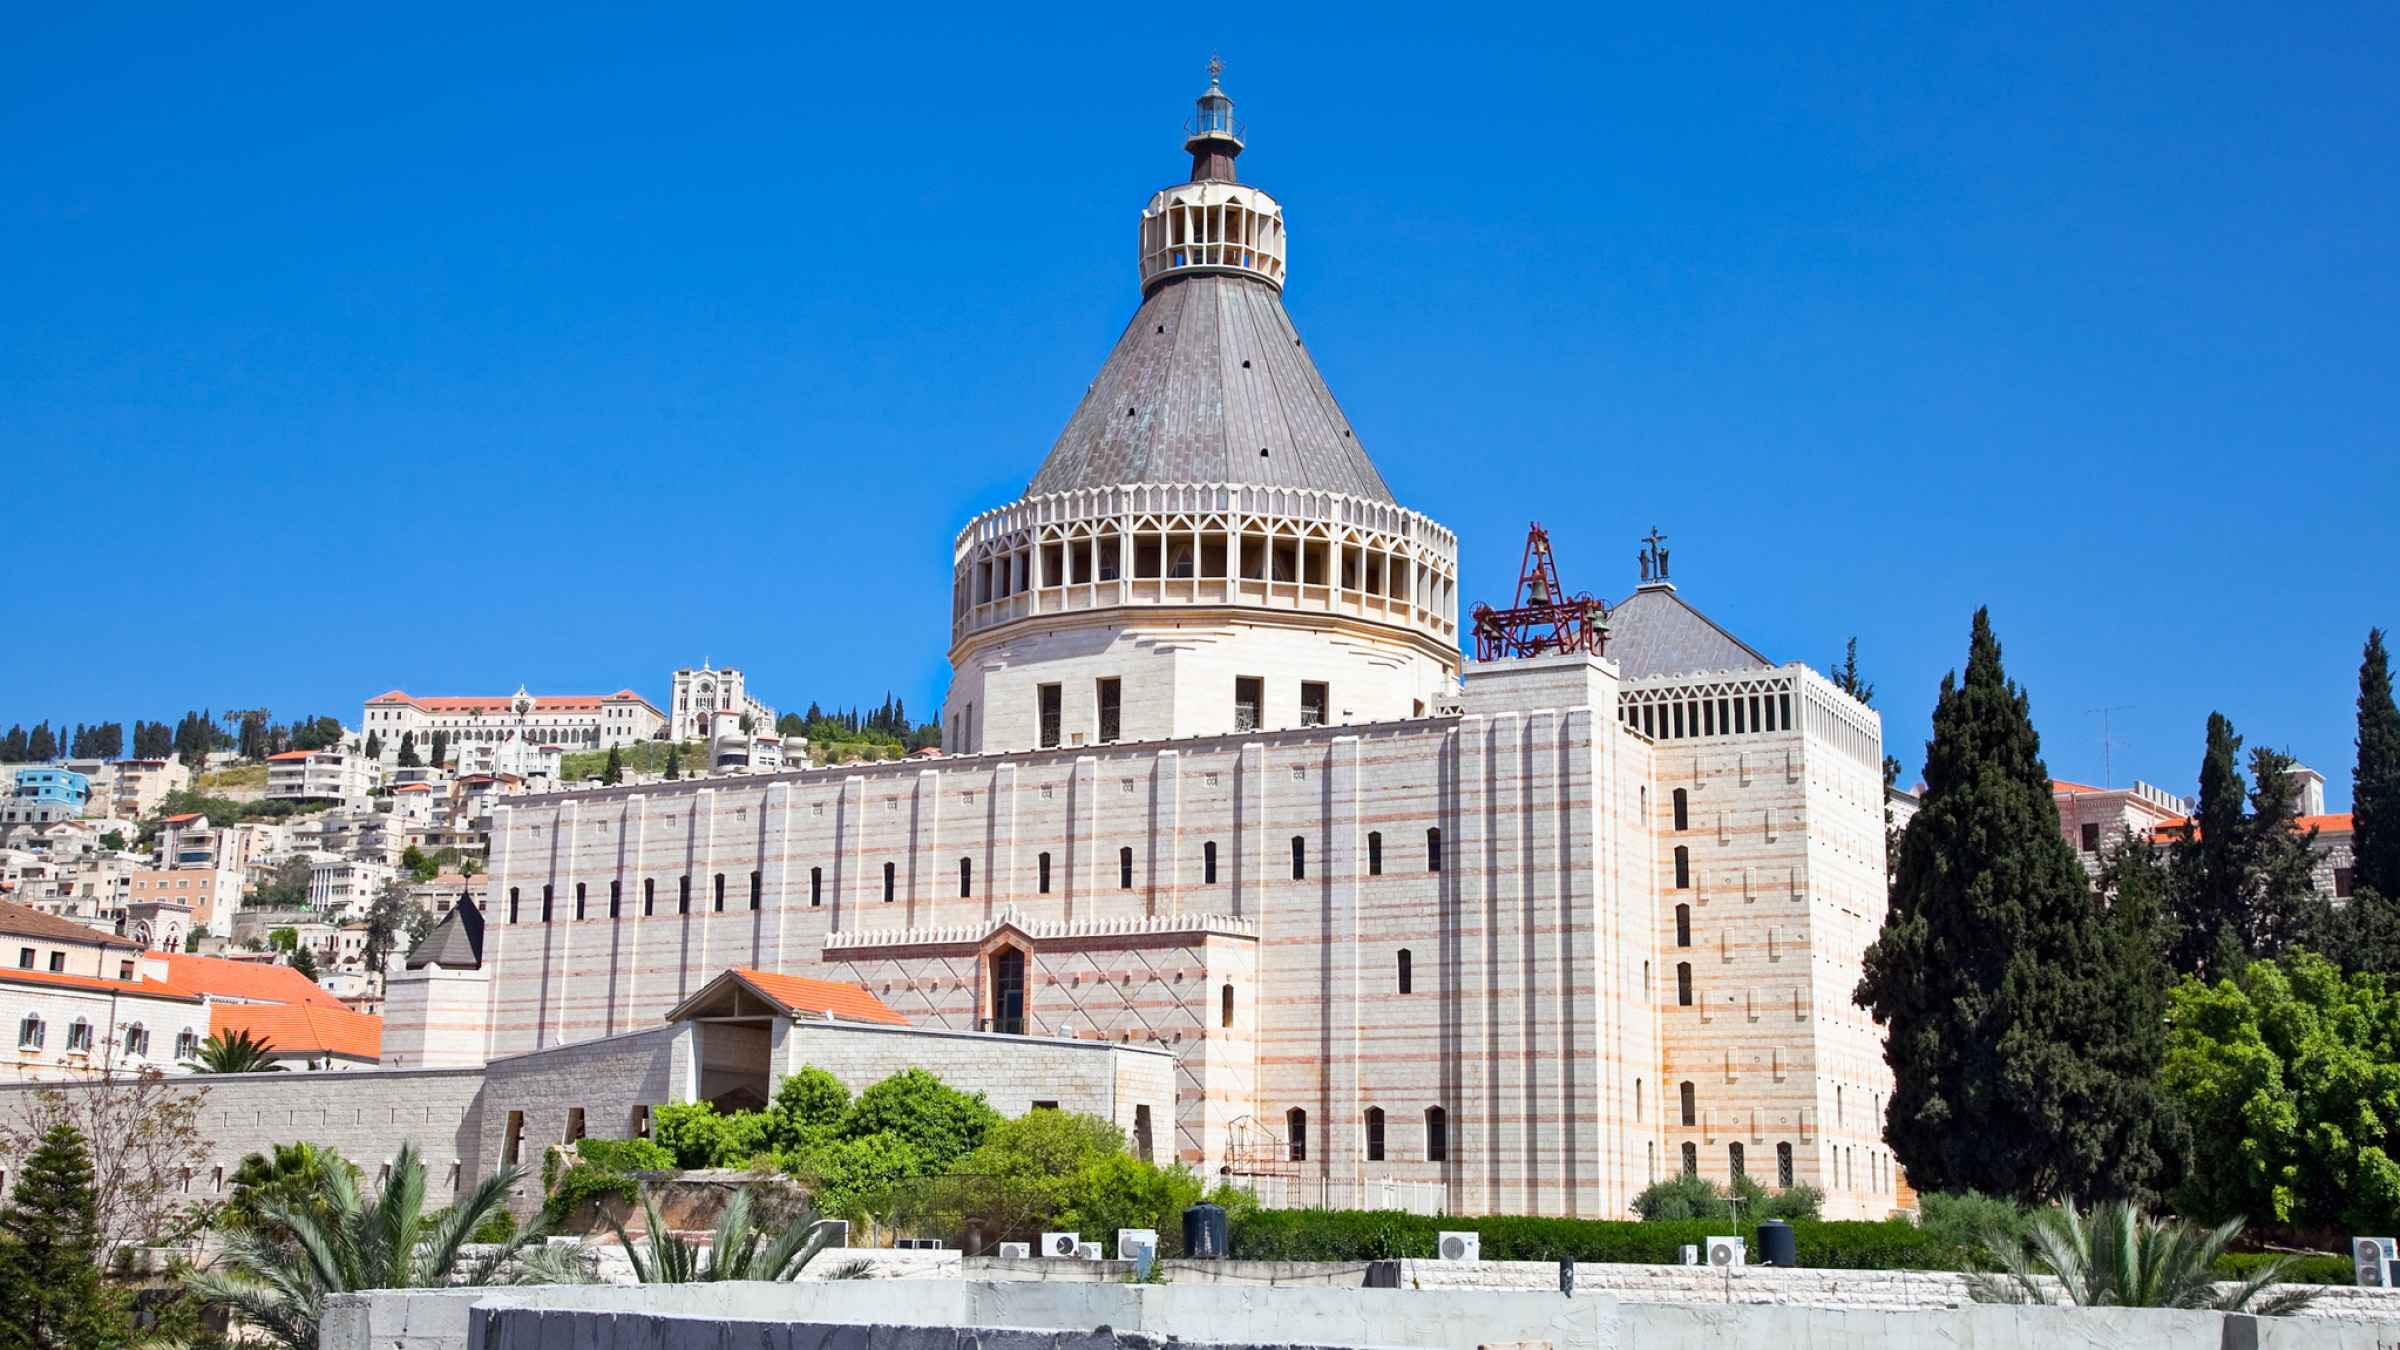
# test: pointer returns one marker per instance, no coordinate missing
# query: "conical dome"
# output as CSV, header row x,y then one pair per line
x,y
1210,384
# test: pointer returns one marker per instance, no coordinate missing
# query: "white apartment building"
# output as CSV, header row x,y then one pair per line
x,y
701,693
317,776
343,887
138,787
570,721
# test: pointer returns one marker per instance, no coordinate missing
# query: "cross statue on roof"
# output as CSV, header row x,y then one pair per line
x,y
1653,558
1216,67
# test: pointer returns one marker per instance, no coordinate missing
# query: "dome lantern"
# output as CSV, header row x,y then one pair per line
x,y
1212,135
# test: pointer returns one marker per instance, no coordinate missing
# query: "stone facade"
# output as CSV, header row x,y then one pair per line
x,y
701,694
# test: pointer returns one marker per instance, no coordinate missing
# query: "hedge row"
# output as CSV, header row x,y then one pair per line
x,y
1369,1235
2303,1270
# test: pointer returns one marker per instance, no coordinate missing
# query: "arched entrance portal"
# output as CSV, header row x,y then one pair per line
x,y
1007,985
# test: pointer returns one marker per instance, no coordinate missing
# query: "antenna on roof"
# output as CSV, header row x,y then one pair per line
x,y
2108,743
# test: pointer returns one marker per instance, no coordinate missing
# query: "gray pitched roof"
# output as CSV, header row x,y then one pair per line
x,y
456,943
1653,632
1209,373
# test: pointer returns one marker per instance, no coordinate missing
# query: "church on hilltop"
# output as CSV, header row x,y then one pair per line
x,y
1521,934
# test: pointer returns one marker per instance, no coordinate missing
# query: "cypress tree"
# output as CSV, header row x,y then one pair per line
x,y
614,771
374,747
42,745
2375,787
2023,1049
2207,862
674,762
50,1289
408,751
441,748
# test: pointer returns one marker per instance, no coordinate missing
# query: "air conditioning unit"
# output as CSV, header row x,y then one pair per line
x,y
1691,1253
1461,1246
922,1244
1130,1241
1724,1251
836,1231
2372,1259
1061,1244
1015,1251
1087,1251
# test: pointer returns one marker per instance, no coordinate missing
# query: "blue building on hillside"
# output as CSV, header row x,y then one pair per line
x,y
47,784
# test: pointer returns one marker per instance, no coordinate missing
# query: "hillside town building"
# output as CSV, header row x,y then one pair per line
x,y
1517,935
569,721
701,694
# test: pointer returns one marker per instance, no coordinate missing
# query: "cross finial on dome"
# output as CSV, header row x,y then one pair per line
x,y
1216,67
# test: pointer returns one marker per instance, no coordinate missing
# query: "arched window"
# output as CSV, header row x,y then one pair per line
x,y
1299,858
1407,981
616,899
1374,853
966,878
1433,849
1208,863
891,882
1437,1134
1691,1160
1783,1165
1683,984
1042,874
716,896
137,1039
187,1044
1733,1161
512,904
546,899
683,894
79,1036
1683,925
1690,1101
578,899
1683,809
649,896
1683,868
1295,1130
816,886
1374,1134
1225,1005
754,889
1125,869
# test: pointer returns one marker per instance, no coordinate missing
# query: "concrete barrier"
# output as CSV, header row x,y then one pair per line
x,y
1262,1314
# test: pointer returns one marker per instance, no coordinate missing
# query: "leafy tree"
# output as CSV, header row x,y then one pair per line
x,y
674,762
343,1240
285,886
113,841
809,1108
304,960
1747,1201
2375,787
737,1250
143,1130
1026,1170
857,1178
387,919
2119,1257
319,733
235,1052
374,749
283,939
2017,1068
2289,1074
789,725
408,751
50,1289
940,1121
614,772
1121,1191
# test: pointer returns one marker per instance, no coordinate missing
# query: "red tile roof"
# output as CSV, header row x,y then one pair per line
x,y
188,815
502,703
797,993
19,921
2058,785
2181,827
246,981
305,1029
94,984
290,754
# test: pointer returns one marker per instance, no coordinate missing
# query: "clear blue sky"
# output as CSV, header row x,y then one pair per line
x,y
452,348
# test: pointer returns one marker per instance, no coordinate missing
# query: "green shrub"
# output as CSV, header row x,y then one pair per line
x,y
1679,1198
1682,1198
1365,1235
2302,1270
625,1155
940,1122
1964,1219
855,1178
585,1184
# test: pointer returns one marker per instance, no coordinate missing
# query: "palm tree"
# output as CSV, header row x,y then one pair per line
x,y
290,1174
277,1274
239,1052
2118,1256
738,1250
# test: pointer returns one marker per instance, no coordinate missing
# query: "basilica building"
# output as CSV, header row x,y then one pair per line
x,y
1520,934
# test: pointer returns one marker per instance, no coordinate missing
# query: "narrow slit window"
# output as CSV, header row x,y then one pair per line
x,y
1374,1134
1688,1099
1374,853
1437,1134
1299,858
717,893
1433,849
816,886
649,896
1683,867
1225,1005
966,878
1407,976
1683,984
1683,925
1295,1129
1041,868
1683,809
683,894
1208,863
891,882
1125,869
757,889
